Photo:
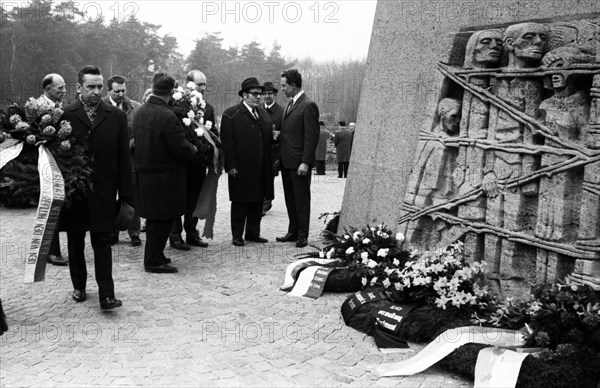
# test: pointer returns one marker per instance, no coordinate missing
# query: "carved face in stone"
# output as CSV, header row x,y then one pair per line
x,y
526,43
565,56
488,47
450,112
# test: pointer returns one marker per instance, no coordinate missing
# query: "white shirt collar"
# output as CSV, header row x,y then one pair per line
x,y
269,106
113,102
249,108
297,96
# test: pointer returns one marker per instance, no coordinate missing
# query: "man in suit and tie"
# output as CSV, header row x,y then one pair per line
x,y
102,129
247,134
117,88
54,89
276,113
297,145
162,156
195,178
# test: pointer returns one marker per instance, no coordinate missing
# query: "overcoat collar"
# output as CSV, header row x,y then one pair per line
x,y
103,111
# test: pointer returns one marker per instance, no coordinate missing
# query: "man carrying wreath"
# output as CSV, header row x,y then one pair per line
x,y
102,130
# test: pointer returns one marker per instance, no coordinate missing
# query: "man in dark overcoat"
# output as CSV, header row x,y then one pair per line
x,y
103,129
117,88
162,154
297,145
321,152
275,112
247,135
343,146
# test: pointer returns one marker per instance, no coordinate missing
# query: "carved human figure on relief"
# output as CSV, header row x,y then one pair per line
x,y
513,208
483,50
566,115
430,181
431,178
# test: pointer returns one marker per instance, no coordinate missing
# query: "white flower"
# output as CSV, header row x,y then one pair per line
x,y
321,254
180,89
373,281
194,101
191,114
400,237
350,251
385,235
386,283
330,253
187,121
371,263
383,252
346,237
197,94
177,96
201,120
441,302
356,236
199,131
366,241
396,262
191,85
208,124
364,281
398,286
203,104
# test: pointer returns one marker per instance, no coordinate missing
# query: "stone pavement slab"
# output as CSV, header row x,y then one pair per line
x,y
220,321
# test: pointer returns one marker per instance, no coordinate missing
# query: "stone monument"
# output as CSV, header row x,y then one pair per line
x,y
504,147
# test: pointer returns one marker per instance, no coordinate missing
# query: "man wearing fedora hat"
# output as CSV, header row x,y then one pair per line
x,y
247,136
275,111
162,156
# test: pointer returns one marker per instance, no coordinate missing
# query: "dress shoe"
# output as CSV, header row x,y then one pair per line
x,y
57,260
110,303
301,243
79,295
165,268
196,241
287,238
179,244
135,241
257,239
238,242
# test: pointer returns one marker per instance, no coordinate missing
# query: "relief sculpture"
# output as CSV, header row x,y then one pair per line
x,y
518,180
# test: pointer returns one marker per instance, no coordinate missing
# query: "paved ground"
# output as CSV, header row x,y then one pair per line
x,y
221,321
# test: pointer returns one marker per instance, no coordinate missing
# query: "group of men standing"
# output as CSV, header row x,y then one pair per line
x,y
259,137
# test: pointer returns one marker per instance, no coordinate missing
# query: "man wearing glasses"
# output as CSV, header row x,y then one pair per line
x,y
195,178
117,88
247,135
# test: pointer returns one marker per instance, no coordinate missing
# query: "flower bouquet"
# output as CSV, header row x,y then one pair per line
x,y
38,122
362,256
563,321
444,289
189,105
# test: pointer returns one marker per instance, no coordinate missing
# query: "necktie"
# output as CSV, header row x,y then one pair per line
x,y
289,106
255,114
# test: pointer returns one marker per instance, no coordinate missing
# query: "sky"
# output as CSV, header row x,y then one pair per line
x,y
323,30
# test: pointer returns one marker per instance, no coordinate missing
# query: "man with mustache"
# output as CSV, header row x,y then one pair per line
x,y
102,130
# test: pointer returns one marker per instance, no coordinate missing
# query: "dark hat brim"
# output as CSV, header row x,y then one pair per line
x,y
259,86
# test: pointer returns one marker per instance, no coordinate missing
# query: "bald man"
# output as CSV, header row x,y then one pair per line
x,y
53,86
54,89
